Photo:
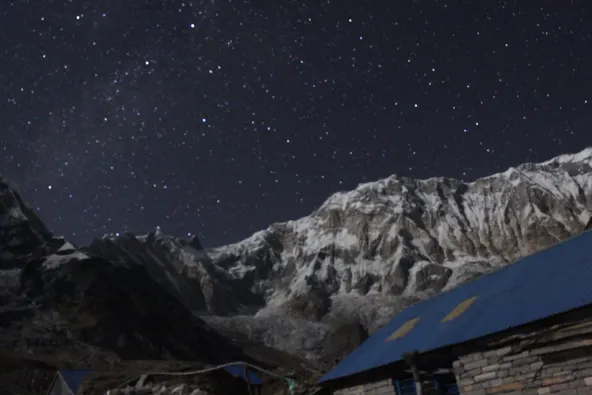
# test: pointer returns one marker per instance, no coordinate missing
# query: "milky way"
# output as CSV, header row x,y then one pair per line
x,y
221,117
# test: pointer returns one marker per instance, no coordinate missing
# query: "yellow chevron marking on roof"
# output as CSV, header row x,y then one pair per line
x,y
403,329
461,308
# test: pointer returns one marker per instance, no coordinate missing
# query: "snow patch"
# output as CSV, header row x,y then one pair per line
x,y
54,261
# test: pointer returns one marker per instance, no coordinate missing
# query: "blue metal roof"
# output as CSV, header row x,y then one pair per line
x,y
73,378
550,282
238,370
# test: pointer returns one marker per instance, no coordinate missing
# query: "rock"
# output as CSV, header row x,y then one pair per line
x,y
342,339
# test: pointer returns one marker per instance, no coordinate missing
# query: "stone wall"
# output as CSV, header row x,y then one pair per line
x,y
382,387
551,357
564,369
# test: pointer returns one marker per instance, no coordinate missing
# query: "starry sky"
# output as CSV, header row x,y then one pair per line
x,y
219,117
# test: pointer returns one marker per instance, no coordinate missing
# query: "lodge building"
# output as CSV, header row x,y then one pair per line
x,y
523,329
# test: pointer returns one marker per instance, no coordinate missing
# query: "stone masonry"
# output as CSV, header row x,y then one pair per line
x,y
382,387
565,370
550,357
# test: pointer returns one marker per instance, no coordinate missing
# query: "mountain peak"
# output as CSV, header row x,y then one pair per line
x,y
22,233
410,238
584,157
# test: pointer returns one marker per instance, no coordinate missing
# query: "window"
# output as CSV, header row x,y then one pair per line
x,y
439,385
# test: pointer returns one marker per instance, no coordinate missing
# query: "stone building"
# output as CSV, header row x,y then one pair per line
x,y
523,329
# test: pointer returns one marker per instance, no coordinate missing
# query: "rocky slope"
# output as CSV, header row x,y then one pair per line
x,y
365,253
103,306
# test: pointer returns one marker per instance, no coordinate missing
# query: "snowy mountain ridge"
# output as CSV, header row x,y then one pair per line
x,y
439,214
360,257
383,245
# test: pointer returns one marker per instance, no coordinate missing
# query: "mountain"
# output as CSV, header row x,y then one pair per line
x,y
315,286
21,232
111,305
366,253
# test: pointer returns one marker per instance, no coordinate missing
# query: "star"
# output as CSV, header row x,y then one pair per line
x,y
216,119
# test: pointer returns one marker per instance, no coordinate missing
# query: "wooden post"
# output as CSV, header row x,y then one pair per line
x,y
410,359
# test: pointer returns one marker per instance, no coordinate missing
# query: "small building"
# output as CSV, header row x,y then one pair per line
x,y
523,329
252,378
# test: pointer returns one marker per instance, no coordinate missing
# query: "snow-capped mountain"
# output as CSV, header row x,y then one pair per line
x,y
357,259
392,241
400,236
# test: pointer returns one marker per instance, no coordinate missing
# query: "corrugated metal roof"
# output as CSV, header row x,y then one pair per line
x,y
550,282
73,378
238,370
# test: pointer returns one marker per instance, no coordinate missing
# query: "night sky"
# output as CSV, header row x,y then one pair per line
x,y
219,117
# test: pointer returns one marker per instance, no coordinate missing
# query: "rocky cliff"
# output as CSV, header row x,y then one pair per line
x,y
365,253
